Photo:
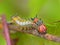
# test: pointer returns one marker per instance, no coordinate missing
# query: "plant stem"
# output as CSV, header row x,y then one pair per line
x,y
6,31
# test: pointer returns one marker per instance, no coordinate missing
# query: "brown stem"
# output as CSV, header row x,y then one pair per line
x,y
14,41
34,31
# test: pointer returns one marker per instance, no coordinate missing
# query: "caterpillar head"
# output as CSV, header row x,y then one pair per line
x,y
35,19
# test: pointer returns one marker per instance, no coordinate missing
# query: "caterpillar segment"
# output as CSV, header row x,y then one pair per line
x,y
26,27
20,21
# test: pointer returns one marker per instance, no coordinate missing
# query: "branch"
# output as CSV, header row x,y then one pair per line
x,y
6,30
32,29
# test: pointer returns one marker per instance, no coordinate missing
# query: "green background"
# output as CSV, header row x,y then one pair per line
x,y
47,10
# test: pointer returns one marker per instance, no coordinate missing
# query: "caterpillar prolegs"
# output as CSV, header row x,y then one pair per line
x,y
25,29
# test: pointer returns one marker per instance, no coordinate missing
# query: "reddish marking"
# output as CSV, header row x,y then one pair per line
x,y
42,28
35,20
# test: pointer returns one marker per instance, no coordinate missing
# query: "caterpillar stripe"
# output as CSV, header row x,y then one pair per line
x,y
20,21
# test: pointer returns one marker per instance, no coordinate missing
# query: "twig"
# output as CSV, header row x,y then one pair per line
x,y
35,32
14,41
6,31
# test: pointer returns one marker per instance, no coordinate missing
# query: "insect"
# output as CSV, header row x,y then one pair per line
x,y
24,23
41,27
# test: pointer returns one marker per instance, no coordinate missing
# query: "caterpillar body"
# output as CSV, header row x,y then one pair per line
x,y
26,25
20,21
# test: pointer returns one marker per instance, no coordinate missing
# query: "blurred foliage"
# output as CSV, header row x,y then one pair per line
x,y
48,10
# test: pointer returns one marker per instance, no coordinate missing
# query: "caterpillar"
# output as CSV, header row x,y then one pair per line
x,y
41,27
